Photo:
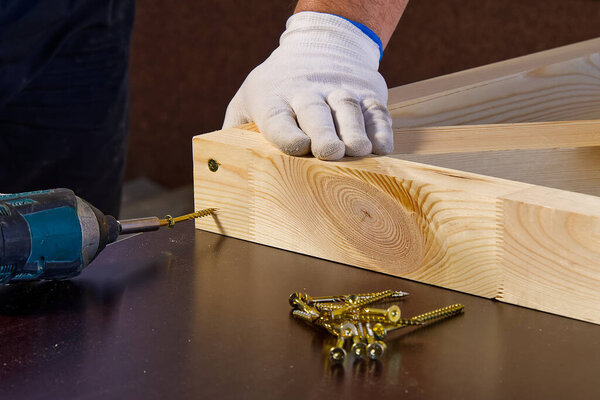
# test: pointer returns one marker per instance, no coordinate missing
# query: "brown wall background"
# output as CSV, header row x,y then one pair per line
x,y
189,57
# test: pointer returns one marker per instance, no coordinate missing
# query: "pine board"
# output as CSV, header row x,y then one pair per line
x,y
554,85
520,243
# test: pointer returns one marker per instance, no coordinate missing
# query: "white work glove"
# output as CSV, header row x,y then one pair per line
x,y
318,91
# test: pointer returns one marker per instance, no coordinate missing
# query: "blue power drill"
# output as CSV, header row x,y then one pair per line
x,y
53,234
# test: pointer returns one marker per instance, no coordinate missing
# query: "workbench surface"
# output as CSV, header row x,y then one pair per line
x,y
187,314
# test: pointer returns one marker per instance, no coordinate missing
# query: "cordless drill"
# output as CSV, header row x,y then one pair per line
x,y
53,234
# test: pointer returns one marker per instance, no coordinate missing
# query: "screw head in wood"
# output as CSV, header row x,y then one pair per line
x,y
213,165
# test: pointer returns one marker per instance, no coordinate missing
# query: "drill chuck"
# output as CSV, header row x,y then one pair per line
x,y
139,225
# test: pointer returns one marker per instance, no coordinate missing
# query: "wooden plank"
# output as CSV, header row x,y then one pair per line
x,y
455,229
471,138
550,252
562,155
572,169
558,84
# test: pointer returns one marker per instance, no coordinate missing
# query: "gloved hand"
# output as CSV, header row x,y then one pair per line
x,y
319,90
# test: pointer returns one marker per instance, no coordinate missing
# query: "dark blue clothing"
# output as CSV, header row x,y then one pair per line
x,y
64,96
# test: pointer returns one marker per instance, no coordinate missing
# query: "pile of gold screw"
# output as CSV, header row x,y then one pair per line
x,y
356,324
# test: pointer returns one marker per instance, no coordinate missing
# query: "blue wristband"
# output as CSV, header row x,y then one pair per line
x,y
367,31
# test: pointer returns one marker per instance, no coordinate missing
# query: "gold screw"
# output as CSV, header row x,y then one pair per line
x,y
170,221
337,353
421,319
329,306
348,329
316,300
361,303
359,347
299,304
440,313
297,296
392,314
303,315
395,294
341,315
379,331
359,317
340,300
327,326
375,348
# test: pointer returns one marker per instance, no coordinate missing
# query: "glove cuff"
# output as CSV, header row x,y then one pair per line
x,y
367,31
315,30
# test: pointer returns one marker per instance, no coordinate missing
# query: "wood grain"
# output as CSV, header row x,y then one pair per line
x,y
572,169
550,252
562,155
517,136
554,85
468,232
488,137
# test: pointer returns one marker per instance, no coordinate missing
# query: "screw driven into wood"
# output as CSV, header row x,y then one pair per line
x,y
355,323
213,165
170,221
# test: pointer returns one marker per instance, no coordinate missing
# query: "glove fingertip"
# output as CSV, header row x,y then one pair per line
x,y
293,146
381,135
383,146
280,128
378,124
358,147
330,151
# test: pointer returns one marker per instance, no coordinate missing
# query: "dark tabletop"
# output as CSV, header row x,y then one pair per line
x,y
187,314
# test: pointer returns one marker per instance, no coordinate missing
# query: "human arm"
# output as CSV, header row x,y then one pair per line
x,y
381,16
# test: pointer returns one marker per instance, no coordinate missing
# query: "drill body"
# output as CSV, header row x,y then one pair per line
x,y
50,234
